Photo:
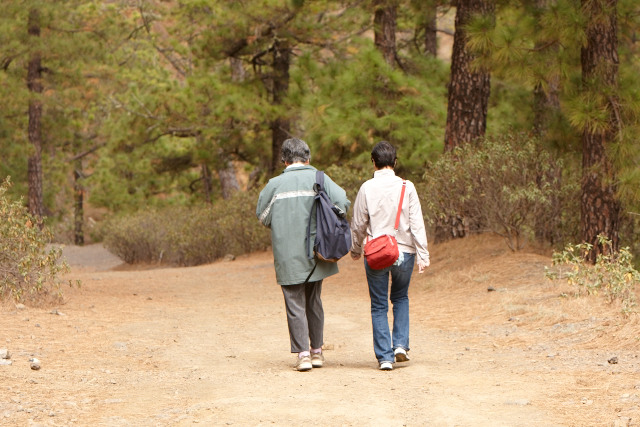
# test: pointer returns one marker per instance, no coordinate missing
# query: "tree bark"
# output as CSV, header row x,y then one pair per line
x,y
384,28
206,183
600,206
430,34
238,73
34,84
78,211
227,175
281,126
546,102
468,90
426,33
226,170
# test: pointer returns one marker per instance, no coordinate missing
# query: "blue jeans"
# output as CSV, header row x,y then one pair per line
x,y
383,342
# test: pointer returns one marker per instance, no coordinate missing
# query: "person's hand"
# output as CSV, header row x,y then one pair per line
x,y
355,256
422,265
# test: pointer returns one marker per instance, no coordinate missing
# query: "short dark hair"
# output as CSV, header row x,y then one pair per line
x,y
295,150
383,155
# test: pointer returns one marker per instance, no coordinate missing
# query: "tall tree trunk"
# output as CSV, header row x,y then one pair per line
x,y
78,210
227,176
34,83
384,29
427,28
600,206
468,90
226,170
281,126
207,185
238,73
430,33
546,102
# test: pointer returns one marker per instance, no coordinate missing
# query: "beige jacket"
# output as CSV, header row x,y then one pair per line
x,y
375,209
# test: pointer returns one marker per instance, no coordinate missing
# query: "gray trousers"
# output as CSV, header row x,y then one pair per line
x,y
305,315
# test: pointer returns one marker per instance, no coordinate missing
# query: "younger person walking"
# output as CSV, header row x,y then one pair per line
x,y
375,211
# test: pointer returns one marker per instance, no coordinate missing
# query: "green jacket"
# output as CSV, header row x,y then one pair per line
x,y
284,206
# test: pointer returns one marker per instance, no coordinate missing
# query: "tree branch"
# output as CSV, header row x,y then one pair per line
x,y
86,153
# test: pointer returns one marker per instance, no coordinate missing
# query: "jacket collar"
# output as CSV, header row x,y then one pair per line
x,y
384,172
298,168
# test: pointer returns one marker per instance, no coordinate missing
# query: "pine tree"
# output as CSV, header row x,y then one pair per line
x,y
425,34
34,83
49,53
600,206
384,29
470,86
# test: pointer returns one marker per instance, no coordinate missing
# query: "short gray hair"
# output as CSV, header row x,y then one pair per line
x,y
295,150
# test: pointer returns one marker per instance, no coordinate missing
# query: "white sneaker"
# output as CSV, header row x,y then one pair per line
x,y
385,366
401,355
317,360
304,364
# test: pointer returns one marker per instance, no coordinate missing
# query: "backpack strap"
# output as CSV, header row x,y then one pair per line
x,y
309,276
404,186
317,187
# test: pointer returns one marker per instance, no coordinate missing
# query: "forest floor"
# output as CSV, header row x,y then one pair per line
x,y
147,346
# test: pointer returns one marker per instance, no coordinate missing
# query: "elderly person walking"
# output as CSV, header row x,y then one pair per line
x,y
285,206
375,211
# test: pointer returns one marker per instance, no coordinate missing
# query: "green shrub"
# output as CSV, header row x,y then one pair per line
x,y
188,235
613,273
509,186
350,178
29,271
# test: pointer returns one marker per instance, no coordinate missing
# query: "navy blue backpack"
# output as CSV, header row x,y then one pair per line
x,y
333,235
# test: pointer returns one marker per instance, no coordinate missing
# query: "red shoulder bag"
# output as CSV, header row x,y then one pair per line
x,y
383,251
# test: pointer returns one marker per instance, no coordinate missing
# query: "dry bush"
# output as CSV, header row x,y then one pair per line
x,y
613,274
29,270
188,235
509,186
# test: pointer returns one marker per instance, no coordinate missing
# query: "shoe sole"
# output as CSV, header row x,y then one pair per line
x,y
386,368
317,365
304,367
402,357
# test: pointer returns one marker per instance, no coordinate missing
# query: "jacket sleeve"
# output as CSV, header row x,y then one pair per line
x,y
265,201
337,194
359,222
416,221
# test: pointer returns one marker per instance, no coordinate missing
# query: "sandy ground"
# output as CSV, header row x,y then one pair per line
x,y
209,345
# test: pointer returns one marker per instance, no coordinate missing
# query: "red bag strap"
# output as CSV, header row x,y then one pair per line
x,y
404,185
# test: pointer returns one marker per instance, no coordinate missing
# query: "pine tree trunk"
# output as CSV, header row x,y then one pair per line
x,y
281,126
34,83
468,90
207,185
226,170
228,178
430,31
546,102
600,206
384,28
238,73
78,211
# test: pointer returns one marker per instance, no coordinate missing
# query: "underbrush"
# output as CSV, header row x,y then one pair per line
x,y
29,270
613,274
188,236
509,186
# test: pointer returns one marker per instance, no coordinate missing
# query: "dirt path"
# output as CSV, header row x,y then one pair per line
x,y
209,345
